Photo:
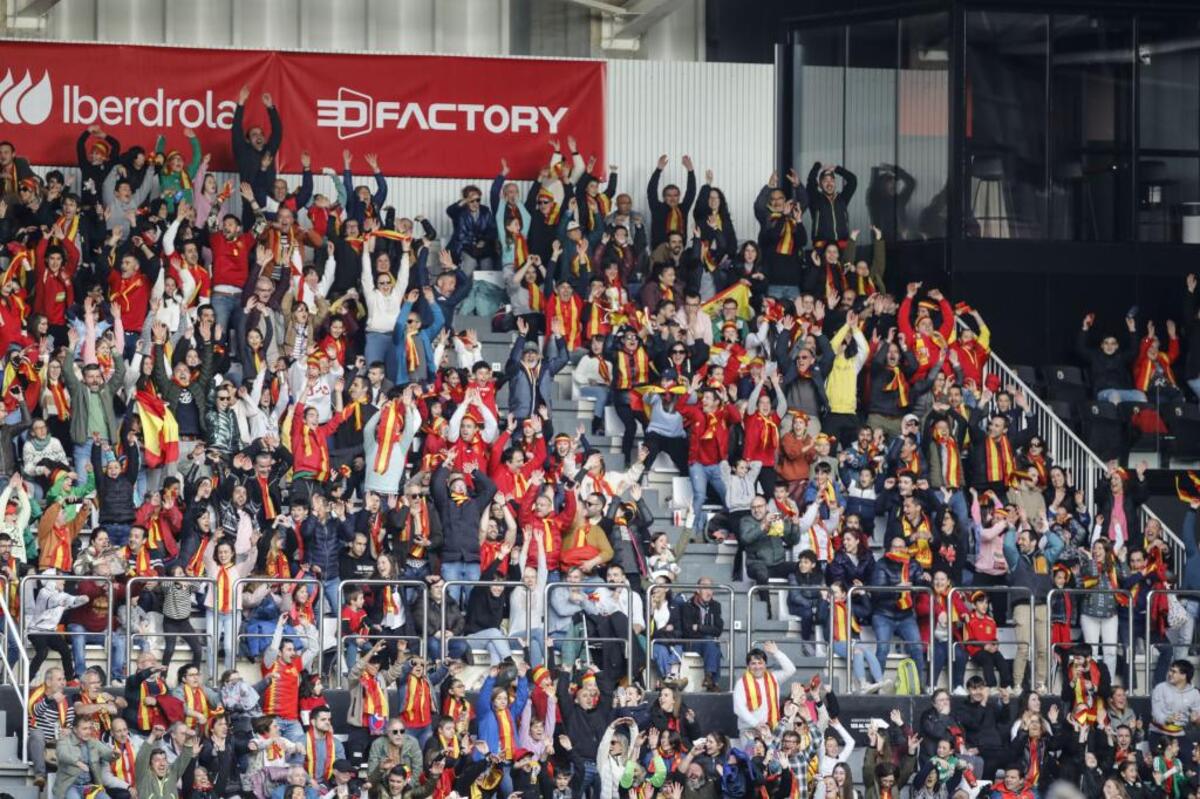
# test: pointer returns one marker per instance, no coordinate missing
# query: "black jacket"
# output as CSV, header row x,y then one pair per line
x,y
1108,371
982,723
460,523
116,496
830,217
658,208
693,622
249,160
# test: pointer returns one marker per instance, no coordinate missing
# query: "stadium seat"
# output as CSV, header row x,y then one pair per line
x,y
1104,430
1183,420
1066,383
1028,376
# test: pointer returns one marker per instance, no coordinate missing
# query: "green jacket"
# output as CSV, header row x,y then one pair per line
x,y
150,786
79,392
172,186
169,389
70,755
768,550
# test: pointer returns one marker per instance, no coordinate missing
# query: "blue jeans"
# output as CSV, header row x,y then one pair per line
x,y
78,642
379,348
455,648
223,307
492,639
1121,395
330,589
702,477
710,651
537,645
665,657
941,654
118,534
903,628
291,729
600,395
460,571
83,456
864,659
783,292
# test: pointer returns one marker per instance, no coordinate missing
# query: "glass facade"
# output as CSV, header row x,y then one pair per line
x,y
1066,126
874,97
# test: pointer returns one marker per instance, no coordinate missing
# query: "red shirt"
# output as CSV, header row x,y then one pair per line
x,y
762,438
133,295
54,292
708,434
979,628
231,259
553,527
282,697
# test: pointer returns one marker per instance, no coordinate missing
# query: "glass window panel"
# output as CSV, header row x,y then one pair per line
x,y
819,113
871,124
1091,79
1164,183
919,178
1169,83
1005,125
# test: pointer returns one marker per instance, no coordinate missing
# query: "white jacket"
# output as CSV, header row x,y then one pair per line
x,y
45,608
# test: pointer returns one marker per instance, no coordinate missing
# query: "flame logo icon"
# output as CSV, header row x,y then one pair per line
x,y
24,103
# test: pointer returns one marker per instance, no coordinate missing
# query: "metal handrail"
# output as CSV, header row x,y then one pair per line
x,y
341,602
628,640
238,635
483,583
725,639
1129,685
1031,660
888,589
1180,592
76,578
208,581
19,681
1061,439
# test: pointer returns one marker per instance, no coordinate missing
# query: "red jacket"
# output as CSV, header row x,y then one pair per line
x,y
762,438
133,295
54,293
923,348
310,448
708,435
231,259
978,628
1143,367
170,521
554,527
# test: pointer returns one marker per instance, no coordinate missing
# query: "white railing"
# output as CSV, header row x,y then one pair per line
x,y
1070,452
18,678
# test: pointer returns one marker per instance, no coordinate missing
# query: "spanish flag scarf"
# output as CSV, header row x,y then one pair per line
x,y
326,742
898,384
632,369
904,601
387,435
998,459
769,693
951,462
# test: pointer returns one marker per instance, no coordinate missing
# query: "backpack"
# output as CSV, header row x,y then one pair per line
x,y
908,679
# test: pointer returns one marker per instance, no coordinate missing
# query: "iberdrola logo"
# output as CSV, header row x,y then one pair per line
x,y
23,102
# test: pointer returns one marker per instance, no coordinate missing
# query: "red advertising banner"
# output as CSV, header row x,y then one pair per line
x,y
425,116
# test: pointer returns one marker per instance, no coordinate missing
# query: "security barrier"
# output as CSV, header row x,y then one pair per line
x,y
239,634
401,584
26,602
724,641
209,615
586,639
1151,648
486,584
1118,592
1031,659
18,678
888,589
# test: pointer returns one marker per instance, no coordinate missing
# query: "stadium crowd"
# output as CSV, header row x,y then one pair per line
x,y
265,395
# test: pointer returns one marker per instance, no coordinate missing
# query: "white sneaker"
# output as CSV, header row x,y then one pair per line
x,y
872,687
960,691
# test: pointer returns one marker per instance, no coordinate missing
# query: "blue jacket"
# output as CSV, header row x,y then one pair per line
x,y
356,209
475,234
1191,568
425,339
323,544
521,403
489,728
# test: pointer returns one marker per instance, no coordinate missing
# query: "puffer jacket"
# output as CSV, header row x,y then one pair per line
x,y
1095,603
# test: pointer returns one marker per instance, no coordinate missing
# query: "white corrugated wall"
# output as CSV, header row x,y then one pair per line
x,y
722,115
